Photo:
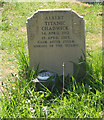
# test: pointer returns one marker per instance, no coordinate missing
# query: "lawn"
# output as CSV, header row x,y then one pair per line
x,y
19,98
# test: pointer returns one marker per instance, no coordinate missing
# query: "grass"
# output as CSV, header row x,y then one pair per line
x,y
19,98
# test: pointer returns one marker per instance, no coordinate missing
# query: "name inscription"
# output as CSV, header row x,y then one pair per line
x,y
55,33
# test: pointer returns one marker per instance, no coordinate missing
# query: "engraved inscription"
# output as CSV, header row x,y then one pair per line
x,y
55,33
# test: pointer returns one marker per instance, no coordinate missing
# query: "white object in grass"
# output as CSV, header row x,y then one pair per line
x,y
44,75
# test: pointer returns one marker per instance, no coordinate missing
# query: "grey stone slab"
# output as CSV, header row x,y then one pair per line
x,y
55,36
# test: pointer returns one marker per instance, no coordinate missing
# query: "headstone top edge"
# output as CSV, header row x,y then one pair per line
x,y
55,10
77,14
60,9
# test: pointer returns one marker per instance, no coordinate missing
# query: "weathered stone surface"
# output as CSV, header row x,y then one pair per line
x,y
55,36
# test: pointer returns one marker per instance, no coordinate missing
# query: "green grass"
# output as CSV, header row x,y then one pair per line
x,y
19,99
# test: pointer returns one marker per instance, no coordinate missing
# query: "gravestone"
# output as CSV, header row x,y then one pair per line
x,y
55,36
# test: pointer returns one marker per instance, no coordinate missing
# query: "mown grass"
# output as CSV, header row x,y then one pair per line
x,y
19,99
